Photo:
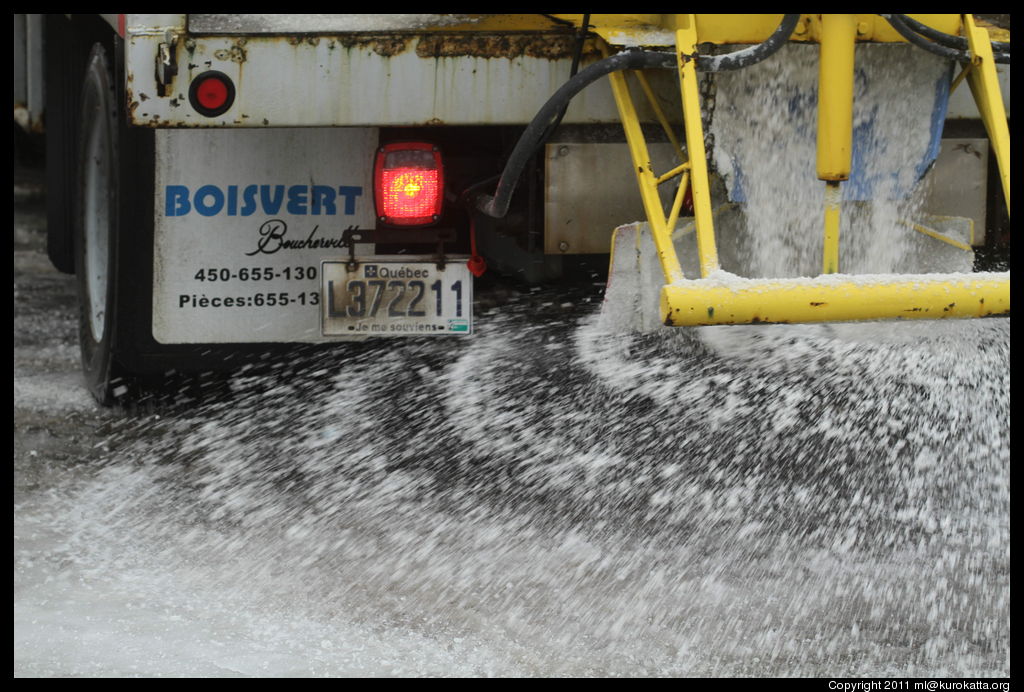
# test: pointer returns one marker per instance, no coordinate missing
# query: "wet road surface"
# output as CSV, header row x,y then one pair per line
x,y
544,499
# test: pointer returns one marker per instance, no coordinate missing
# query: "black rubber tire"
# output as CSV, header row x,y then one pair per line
x,y
96,222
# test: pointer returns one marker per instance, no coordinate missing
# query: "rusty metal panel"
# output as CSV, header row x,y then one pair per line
x,y
149,24
385,23
591,189
361,80
319,23
492,69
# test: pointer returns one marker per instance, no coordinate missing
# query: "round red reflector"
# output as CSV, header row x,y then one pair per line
x,y
212,93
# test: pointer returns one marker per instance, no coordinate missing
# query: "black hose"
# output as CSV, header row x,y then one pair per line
x,y
496,206
577,52
942,51
753,55
948,40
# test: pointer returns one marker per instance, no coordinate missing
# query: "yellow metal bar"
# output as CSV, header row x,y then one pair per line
x,y
649,29
733,28
659,113
835,96
984,83
833,198
686,46
932,233
960,77
645,178
835,298
682,168
835,122
677,203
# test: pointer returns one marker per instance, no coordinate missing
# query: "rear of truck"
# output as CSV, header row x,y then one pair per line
x,y
225,184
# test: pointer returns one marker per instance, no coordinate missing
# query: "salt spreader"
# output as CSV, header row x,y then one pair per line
x,y
718,297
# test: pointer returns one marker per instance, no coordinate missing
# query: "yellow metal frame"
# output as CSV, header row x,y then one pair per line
x,y
644,29
984,85
831,296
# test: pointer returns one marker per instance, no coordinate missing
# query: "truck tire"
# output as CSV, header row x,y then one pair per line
x,y
96,223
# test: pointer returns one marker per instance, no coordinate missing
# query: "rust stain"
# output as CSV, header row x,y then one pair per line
x,y
235,54
156,121
496,46
129,95
385,46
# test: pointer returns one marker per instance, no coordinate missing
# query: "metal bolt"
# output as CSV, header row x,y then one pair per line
x,y
863,28
563,151
563,246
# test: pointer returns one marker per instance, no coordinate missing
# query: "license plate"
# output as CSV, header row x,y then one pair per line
x,y
397,298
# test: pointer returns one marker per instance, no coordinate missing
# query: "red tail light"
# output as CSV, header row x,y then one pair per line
x,y
408,184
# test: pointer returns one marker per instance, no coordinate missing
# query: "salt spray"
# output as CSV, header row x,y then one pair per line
x,y
764,125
